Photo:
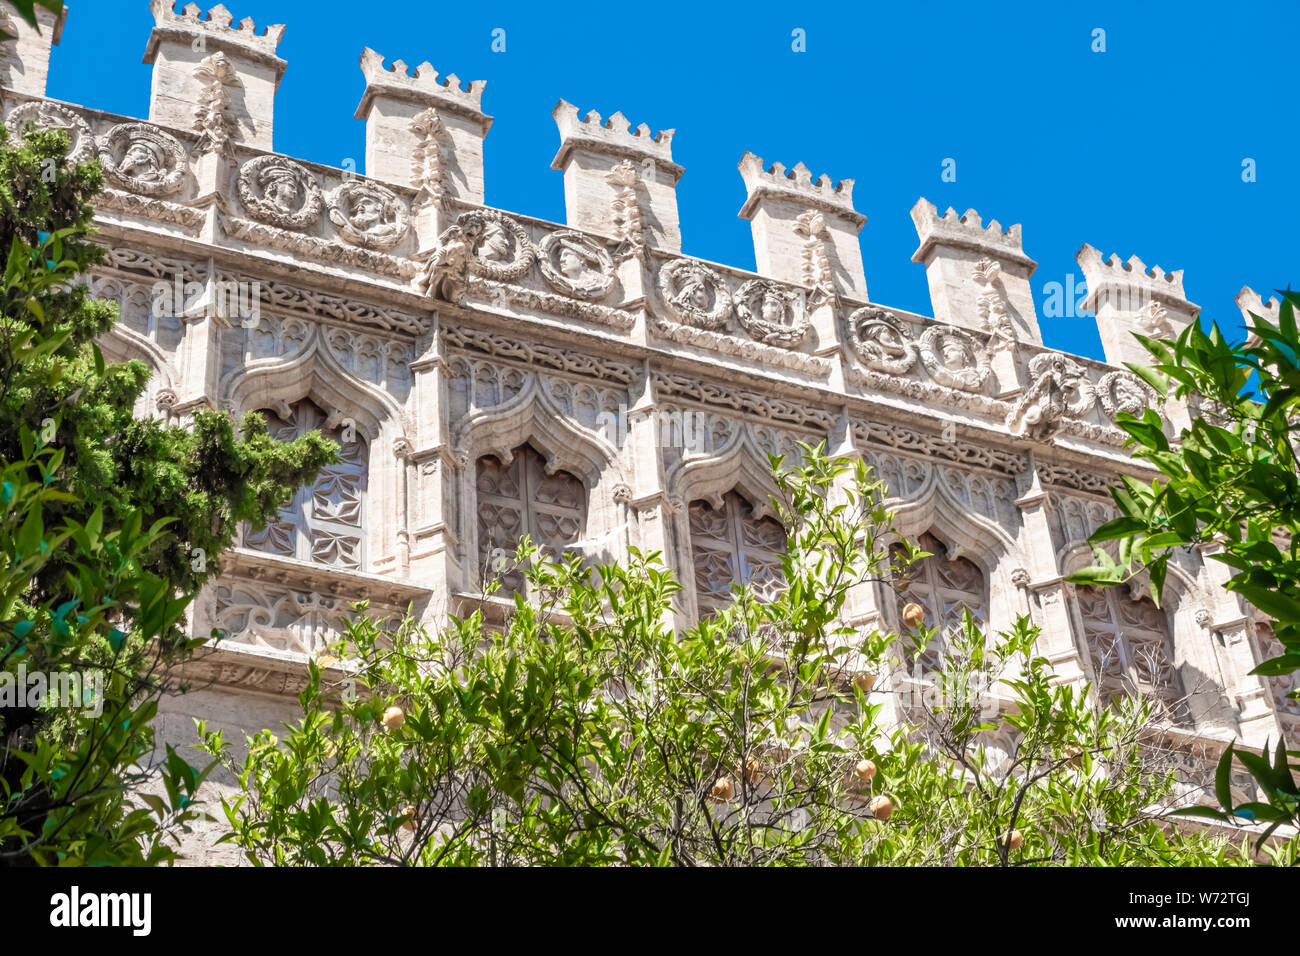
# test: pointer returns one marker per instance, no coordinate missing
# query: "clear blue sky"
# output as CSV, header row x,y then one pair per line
x,y
1135,150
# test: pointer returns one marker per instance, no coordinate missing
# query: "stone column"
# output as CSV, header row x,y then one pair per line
x,y
1044,585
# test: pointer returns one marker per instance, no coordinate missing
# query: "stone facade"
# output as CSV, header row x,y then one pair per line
x,y
490,374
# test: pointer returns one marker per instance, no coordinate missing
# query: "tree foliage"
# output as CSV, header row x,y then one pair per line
x,y
109,526
1229,484
585,731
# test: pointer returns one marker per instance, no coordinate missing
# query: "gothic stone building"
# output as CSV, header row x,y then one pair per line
x,y
489,374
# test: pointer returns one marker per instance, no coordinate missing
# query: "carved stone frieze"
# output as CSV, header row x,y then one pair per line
x,y
279,191
880,340
695,294
1058,386
367,214
772,314
575,264
47,115
143,158
953,358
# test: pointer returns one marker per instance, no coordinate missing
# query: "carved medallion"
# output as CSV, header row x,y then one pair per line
x,y
280,192
953,358
143,158
367,214
53,116
1124,392
695,294
502,252
575,264
881,341
772,314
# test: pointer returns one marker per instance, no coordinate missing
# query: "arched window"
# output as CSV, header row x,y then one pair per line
x,y
323,521
1128,642
522,499
731,546
944,587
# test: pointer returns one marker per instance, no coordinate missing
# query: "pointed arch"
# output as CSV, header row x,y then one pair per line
x,y
740,466
314,373
532,417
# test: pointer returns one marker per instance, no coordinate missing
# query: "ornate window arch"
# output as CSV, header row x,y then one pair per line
x,y
1128,642
323,523
516,498
733,543
944,585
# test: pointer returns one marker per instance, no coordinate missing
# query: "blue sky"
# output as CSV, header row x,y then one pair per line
x,y
1135,150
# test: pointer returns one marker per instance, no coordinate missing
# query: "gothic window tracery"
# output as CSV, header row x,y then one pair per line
x,y
944,587
1128,641
518,499
729,545
323,522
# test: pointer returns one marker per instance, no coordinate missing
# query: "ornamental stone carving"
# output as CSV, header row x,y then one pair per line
x,y
815,263
1054,378
503,251
575,264
367,214
48,115
214,116
1121,391
881,341
1153,321
446,276
695,294
772,314
143,158
994,310
953,358
279,191
428,169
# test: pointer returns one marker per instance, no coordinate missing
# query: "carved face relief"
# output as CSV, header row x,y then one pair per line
x,y
954,359
881,340
279,191
367,214
771,313
1124,392
1054,378
48,115
143,158
576,264
502,251
695,294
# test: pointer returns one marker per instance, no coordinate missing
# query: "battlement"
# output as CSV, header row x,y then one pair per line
x,y
1132,275
1127,297
196,167
215,29
965,231
796,184
613,136
424,86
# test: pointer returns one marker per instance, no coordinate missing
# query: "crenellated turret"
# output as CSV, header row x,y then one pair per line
x,y
423,130
201,60
618,180
1127,297
25,60
804,231
978,274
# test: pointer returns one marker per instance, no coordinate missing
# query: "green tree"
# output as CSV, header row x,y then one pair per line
x,y
113,524
1230,481
586,731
